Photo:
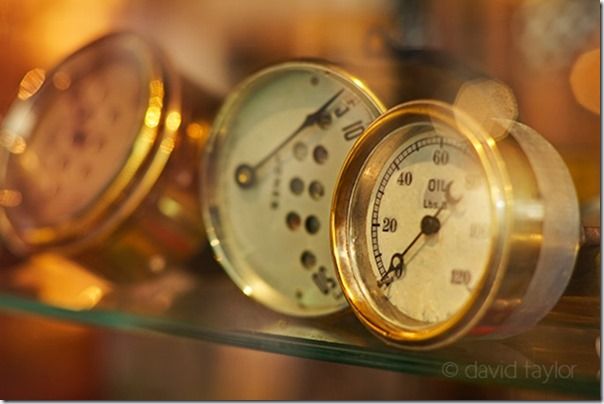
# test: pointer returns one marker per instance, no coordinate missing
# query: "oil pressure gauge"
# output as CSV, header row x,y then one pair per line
x,y
269,170
93,150
440,229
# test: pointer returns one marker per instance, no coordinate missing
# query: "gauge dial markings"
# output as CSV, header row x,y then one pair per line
x,y
293,201
395,166
245,174
441,171
468,200
429,225
75,127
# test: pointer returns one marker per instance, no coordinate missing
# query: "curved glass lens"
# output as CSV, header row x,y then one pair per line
x,y
84,121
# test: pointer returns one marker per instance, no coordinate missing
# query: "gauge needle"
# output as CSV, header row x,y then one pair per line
x,y
245,174
429,225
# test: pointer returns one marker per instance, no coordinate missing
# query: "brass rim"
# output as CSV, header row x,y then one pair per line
x,y
267,294
501,200
149,154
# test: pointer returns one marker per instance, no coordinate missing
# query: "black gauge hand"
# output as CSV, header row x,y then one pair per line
x,y
429,225
245,174
397,265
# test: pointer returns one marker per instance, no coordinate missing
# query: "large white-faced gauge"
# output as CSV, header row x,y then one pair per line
x,y
96,143
270,167
440,229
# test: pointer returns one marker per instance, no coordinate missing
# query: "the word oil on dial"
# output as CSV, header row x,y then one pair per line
x,y
440,230
269,171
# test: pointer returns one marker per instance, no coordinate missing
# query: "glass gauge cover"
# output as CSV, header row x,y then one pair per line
x,y
438,229
269,170
82,151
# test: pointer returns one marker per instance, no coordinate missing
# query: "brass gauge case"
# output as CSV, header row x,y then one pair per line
x,y
534,209
228,254
147,217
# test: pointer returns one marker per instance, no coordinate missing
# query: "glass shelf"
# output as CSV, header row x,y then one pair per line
x,y
405,51
199,301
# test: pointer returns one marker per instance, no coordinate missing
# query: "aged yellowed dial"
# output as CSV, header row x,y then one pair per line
x,y
440,229
269,170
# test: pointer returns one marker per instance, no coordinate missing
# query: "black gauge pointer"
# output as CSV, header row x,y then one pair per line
x,y
429,225
245,174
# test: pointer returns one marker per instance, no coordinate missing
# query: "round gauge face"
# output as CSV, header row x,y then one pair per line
x,y
82,135
271,167
438,228
82,139
428,226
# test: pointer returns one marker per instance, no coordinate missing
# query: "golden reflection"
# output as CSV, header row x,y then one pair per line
x,y
157,88
530,238
169,207
173,121
61,282
167,145
10,198
358,82
197,130
19,145
90,296
12,142
489,102
31,83
152,116
585,80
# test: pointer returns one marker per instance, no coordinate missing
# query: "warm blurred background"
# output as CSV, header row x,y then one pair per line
x,y
546,51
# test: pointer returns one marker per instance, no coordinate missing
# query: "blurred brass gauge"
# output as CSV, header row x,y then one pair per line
x,y
440,229
269,170
93,153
